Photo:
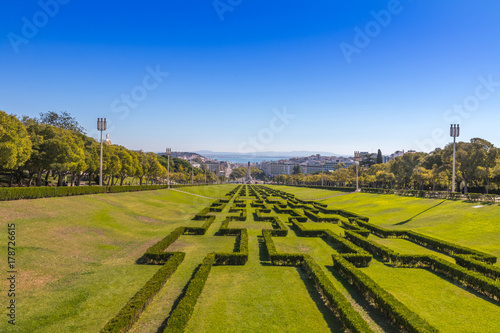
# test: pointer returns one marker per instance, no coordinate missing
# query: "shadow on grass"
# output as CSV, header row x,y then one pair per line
x,y
331,319
263,254
425,210
177,301
371,312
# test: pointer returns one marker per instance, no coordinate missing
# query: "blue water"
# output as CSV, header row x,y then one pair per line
x,y
246,160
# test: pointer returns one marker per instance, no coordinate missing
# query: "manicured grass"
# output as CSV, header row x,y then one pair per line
x,y
76,255
454,221
267,299
76,263
213,191
448,307
306,193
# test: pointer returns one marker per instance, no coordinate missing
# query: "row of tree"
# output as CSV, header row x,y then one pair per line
x,y
477,165
33,149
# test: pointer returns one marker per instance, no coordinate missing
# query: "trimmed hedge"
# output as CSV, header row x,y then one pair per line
x,y
129,314
349,317
182,313
200,230
447,247
155,254
471,263
240,256
280,259
394,310
16,193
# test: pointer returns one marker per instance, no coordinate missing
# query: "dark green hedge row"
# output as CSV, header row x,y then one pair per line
x,y
427,241
240,256
129,314
472,279
155,254
394,310
305,232
280,259
350,251
471,263
280,230
241,217
447,247
16,193
349,317
360,230
379,231
182,313
200,230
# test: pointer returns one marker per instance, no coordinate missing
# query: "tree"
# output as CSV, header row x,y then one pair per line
x,y
62,120
15,144
296,170
368,160
380,159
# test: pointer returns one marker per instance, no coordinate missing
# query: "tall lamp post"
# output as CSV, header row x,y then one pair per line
x,y
101,126
356,160
169,151
454,132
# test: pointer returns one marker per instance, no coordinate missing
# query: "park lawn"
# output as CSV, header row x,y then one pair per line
x,y
454,221
212,191
446,306
267,299
76,255
306,193
76,263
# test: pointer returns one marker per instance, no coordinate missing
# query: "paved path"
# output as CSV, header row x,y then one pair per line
x,y
331,196
196,195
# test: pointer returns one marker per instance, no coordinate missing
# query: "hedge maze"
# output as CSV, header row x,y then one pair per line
x,y
276,214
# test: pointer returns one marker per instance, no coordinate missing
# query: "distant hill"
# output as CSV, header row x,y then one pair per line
x,y
278,154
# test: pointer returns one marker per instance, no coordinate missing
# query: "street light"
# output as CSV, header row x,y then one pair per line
x,y
356,160
454,132
169,151
101,126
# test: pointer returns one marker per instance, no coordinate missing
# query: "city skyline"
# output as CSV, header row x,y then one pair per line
x,y
253,76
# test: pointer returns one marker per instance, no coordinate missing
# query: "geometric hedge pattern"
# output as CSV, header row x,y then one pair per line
x,y
350,251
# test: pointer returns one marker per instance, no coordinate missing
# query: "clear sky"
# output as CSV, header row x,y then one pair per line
x,y
244,75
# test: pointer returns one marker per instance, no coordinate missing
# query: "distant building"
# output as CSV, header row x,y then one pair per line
x,y
385,159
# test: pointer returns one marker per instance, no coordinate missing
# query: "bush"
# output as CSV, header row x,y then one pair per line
x,y
155,254
129,314
349,317
394,310
469,262
16,193
182,313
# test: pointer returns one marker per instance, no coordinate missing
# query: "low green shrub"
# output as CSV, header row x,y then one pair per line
x,y
349,317
471,263
183,311
394,310
156,254
129,314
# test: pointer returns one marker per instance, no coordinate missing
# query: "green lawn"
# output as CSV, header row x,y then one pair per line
x,y
76,263
305,193
213,191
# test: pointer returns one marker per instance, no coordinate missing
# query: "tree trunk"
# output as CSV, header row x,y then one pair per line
x,y
59,180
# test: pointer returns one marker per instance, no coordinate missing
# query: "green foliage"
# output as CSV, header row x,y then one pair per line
x,y
129,314
394,310
182,313
350,318
15,145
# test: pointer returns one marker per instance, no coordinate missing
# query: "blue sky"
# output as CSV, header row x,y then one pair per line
x,y
348,75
